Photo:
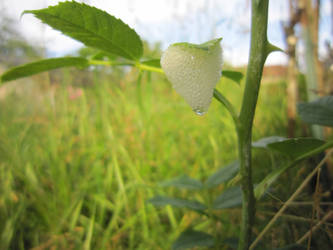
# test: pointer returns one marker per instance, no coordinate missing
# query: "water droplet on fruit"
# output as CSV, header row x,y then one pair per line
x,y
199,112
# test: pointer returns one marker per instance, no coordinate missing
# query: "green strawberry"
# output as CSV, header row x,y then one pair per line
x,y
194,70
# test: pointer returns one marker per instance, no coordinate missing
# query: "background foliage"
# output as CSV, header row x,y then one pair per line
x,y
82,150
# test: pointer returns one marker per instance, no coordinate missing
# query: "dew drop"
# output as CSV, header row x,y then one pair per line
x,y
199,112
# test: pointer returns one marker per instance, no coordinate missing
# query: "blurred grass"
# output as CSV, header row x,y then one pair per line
x,y
76,171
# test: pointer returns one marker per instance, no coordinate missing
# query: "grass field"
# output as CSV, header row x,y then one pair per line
x,y
76,171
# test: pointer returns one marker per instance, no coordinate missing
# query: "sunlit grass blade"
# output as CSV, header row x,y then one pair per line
x,y
89,232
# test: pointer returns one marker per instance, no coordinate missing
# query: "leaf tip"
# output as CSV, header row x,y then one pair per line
x,y
26,12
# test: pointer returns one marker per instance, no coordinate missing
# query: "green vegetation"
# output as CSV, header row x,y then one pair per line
x,y
76,173
82,159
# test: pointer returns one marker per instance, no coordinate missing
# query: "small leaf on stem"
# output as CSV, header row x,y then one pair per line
x,y
264,142
176,202
233,75
296,147
191,238
318,112
184,182
232,197
222,175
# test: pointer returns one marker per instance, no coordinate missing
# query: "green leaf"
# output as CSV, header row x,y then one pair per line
x,y
232,197
101,55
296,147
41,66
153,62
176,202
261,188
184,182
222,175
263,142
233,75
318,112
231,242
93,27
191,238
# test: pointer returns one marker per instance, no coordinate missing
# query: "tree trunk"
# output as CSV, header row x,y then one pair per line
x,y
310,27
319,67
292,86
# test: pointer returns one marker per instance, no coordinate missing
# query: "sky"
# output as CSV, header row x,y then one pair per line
x,y
170,21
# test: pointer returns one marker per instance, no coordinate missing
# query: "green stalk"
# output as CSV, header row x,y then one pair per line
x,y
259,50
129,63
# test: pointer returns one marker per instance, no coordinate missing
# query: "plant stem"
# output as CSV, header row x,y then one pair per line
x,y
109,63
258,52
149,68
129,63
221,98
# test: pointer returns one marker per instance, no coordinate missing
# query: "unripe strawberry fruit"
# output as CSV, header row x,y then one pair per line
x,y
194,70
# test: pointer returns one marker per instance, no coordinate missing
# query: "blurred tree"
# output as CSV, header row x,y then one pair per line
x,y
152,51
14,49
328,60
292,87
310,13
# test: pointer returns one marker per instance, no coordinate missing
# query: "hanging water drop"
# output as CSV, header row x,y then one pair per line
x,y
199,112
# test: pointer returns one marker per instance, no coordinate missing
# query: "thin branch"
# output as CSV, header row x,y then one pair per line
x,y
315,228
296,218
222,99
315,205
299,203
